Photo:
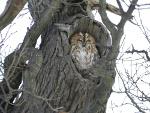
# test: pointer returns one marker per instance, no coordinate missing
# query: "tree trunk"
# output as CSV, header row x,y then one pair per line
x,y
59,84
51,81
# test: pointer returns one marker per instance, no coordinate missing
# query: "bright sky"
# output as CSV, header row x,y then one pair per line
x,y
133,35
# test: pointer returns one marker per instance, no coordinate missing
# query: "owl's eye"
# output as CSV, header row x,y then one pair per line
x,y
88,40
80,40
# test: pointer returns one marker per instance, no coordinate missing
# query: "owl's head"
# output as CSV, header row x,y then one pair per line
x,y
76,39
83,50
82,39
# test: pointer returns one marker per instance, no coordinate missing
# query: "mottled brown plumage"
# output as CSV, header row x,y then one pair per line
x,y
83,50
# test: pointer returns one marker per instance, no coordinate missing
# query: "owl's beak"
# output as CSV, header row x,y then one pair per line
x,y
83,44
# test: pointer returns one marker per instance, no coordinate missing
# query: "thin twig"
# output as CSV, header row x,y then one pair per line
x,y
139,51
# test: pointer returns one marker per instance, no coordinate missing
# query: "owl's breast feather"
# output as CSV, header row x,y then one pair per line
x,y
84,58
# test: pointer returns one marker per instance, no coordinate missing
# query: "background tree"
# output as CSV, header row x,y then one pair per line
x,y
51,82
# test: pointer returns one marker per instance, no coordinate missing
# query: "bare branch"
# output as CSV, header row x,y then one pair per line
x,y
139,5
139,51
109,7
143,28
128,95
128,14
120,6
105,19
13,7
132,100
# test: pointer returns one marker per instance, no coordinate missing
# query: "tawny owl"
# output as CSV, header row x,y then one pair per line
x,y
83,50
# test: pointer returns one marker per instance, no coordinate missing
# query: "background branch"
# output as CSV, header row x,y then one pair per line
x,y
139,51
127,92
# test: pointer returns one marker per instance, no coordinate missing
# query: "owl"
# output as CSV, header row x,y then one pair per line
x,y
83,50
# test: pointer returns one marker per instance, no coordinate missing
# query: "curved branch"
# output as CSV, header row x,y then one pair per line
x,y
115,33
13,7
102,10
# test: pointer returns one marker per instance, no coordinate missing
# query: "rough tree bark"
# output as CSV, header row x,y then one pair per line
x,y
51,82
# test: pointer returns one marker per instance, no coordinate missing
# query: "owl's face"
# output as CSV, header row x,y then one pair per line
x,y
82,40
83,50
